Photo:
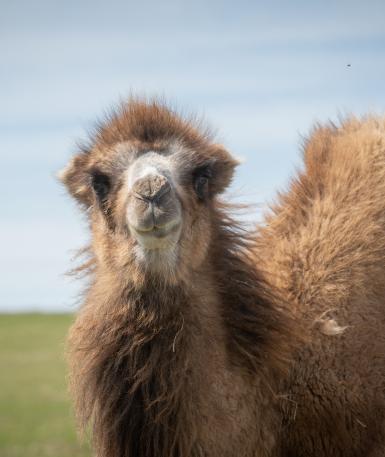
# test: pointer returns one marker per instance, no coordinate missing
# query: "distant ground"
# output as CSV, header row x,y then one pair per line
x,y
35,414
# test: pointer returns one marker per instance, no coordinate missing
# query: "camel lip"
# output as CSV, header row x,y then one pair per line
x,y
158,232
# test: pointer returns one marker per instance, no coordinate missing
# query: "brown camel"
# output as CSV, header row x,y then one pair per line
x,y
198,338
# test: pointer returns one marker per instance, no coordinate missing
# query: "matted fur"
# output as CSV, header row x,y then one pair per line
x,y
194,364
133,356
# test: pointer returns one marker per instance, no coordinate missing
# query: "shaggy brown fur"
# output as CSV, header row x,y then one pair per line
x,y
323,246
192,362
172,364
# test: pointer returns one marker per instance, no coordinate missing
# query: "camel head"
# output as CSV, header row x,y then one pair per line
x,y
149,181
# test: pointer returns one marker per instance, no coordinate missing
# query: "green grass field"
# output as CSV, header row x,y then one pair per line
x,y
35,412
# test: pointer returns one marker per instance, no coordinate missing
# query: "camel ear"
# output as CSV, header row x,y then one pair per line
x,y
77,180
223,168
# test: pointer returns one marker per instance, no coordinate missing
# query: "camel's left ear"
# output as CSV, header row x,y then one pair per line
x,y
223,168
76,178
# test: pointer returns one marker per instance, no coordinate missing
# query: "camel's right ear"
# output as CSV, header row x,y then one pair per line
x,y
77,179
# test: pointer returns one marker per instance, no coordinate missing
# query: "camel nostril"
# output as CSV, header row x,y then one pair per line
x,y
151,187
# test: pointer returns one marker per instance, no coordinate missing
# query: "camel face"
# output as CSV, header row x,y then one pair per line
x,y
149,181
163,204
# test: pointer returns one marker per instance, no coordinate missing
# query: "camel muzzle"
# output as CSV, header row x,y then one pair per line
x,y
154,210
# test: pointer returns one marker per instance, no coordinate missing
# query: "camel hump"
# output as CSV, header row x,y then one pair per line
x,y
324,240
346,160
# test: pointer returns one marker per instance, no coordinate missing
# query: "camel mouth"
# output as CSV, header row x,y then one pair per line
x,y
157,237
158,232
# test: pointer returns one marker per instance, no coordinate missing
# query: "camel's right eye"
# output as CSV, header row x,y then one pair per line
x,y
101,185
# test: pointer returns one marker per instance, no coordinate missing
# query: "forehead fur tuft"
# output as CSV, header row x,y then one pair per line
x,y
150,122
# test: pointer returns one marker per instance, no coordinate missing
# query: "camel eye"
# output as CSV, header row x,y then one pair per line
x,y
201,182
101,185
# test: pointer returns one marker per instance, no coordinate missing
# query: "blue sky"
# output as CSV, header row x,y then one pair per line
x,y
260,72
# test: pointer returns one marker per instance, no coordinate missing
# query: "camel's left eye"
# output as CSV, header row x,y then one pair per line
x,y
201,182
101,185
